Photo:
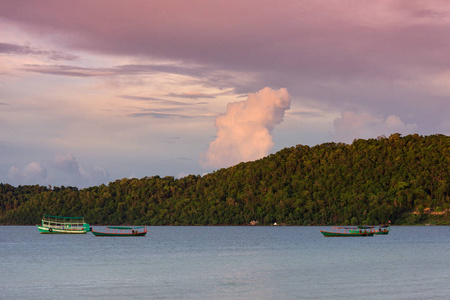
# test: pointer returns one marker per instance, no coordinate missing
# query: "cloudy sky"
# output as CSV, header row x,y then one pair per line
x,y
94,91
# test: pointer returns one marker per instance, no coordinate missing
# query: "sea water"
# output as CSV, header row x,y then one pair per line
x,y
226,263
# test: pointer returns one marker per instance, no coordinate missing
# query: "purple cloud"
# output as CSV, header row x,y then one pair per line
x,y
27,50
353,68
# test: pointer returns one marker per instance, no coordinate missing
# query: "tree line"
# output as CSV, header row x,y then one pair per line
x,y
404,180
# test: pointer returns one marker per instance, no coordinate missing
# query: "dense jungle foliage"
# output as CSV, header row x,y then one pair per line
x,y
401,179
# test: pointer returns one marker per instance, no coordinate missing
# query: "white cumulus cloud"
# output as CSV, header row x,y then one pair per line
x,y
63,170
65,162
244,132
32,173
352,125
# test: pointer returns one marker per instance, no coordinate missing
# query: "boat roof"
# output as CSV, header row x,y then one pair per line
x,y
69,218
125,227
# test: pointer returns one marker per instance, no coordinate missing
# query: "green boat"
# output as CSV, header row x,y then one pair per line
x,y
383,229
378,230
347,231
65,225
122,231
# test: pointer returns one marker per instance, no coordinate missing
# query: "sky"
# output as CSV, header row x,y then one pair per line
x,y
95,91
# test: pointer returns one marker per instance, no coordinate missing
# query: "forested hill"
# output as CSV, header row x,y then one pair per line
x,y
401,179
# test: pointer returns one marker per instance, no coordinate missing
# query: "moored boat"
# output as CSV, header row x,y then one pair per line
x,y
378,230
347,231
383,229
65,225
122,231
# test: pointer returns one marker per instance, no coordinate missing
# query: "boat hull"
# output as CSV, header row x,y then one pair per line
x,y
49,230
96,233
348,234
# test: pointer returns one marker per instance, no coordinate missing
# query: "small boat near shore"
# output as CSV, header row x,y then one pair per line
x,y
63,225
383,229
378,230
121,231
347,232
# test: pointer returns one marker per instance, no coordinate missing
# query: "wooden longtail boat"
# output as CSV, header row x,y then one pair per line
x,y
347,231
66,225
122,231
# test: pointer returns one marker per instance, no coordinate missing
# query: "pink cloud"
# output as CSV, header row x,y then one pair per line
x,y
244,132
293,44
303,45
246,33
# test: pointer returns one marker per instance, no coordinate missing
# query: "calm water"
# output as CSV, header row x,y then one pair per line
x,y
225,263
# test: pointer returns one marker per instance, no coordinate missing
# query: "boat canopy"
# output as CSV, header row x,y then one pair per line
x,y
122,227
65,218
